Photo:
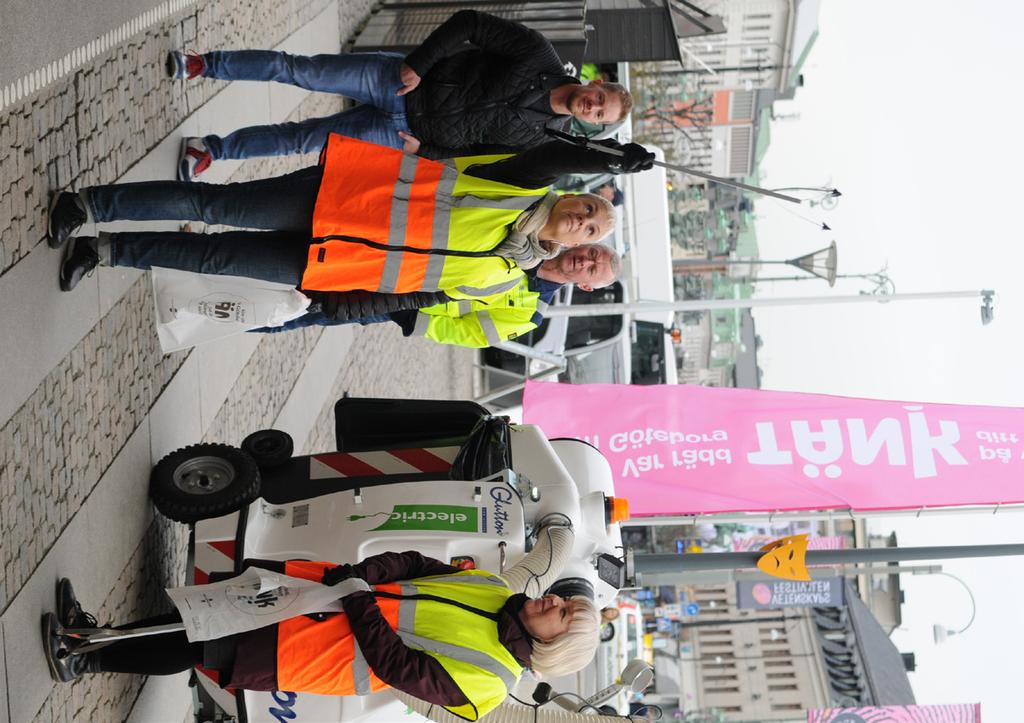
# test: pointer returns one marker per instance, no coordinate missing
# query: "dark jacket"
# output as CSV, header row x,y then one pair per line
x,y
404,668
475,100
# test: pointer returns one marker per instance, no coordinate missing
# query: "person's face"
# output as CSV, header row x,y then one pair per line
x,y
588,266
576,220
547,617
593,104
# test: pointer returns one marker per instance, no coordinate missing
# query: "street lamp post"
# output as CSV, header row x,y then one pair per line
x,y
940,632
819,264
986,296
882,284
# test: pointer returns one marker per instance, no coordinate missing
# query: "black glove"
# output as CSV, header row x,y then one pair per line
x,y
338,574
634,158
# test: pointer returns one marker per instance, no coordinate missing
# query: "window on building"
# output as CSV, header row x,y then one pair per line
x,y
787,706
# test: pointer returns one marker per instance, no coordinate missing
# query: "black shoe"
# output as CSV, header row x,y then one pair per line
x,y
69,611
81,259
67,214
64,667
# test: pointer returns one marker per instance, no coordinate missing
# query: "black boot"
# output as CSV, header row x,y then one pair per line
x,y
64,667
69,611
81,259
67,214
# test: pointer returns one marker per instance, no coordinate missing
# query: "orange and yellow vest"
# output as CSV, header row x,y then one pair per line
x,y
323,657
395,223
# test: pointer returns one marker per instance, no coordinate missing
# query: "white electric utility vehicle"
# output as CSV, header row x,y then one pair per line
x,y
440,477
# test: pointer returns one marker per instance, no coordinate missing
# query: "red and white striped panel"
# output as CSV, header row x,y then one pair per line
x,y
382,462
213,556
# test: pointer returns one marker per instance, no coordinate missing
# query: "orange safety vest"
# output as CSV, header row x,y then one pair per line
x,y
322,656
387,198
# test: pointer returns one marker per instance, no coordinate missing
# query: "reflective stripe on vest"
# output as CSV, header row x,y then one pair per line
x,y
489,328
470,579
466,655
360,671
489,290
542,307
422,325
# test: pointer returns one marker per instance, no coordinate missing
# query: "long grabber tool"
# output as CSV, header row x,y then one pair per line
x,y
594,145
88,639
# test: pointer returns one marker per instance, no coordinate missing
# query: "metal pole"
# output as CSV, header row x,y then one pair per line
x,y
758,68
728,577
851,571
637,307
739,621
726,182
519,386
760,517
529,352
587,143
659,563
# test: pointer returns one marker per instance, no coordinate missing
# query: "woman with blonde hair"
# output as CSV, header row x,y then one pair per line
x,y
456,638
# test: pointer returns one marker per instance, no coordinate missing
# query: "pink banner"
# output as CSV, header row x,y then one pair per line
x,y
681,449
954,713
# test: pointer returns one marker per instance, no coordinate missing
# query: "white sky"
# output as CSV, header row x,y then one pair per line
x,y
912,109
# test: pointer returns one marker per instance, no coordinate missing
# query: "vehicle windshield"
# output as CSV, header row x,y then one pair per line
x,y
600,366
587,330
648,354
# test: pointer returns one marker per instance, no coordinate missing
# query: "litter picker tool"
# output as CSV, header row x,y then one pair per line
x,y
594,145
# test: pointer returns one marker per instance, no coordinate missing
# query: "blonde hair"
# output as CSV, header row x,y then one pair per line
x,y
609,212
625,98
574,648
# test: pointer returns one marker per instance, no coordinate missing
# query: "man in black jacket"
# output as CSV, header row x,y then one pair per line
x,y
445,99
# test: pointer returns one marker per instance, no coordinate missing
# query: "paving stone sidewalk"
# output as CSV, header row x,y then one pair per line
x,y
90,129
93,125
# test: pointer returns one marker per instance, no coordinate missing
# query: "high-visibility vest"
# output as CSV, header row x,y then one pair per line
x,y
482,322
323,657
392,222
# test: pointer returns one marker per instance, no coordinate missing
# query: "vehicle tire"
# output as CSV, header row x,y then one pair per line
x,y
269,447
607,632
203,481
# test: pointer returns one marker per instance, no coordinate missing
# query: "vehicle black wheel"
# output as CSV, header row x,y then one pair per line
x,y
607,632
204,481
269,447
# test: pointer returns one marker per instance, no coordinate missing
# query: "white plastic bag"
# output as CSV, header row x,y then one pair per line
x,y
255,599
194,308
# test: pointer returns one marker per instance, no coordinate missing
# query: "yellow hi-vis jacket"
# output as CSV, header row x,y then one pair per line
x,y
483,322
395,223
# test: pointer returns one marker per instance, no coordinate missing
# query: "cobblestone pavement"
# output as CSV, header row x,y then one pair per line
x,y
90,128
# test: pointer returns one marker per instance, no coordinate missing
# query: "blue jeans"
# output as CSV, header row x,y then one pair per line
x,y
283,205
368,78
318,318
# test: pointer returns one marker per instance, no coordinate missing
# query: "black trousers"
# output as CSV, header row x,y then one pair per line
x,y
163,654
